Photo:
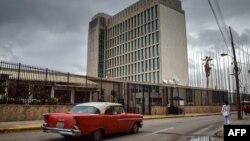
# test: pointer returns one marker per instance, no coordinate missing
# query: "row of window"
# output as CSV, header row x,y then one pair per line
x,y
136,44
139,67
151,77
134,33
101,53
137,20
142,54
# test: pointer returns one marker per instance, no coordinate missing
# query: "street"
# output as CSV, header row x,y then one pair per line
x,y
171,129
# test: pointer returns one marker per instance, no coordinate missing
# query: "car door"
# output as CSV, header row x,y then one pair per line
x,y
123,121
110,120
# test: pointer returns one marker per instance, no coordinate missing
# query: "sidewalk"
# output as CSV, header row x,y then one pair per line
x,y
219,136
36,125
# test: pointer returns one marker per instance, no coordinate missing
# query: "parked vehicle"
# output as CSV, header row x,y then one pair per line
x,y
93,119
246,106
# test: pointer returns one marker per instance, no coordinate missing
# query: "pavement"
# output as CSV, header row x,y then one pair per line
x,y
14,126
219,135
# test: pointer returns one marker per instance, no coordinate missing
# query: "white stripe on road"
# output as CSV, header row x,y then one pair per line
x,y
162,130
212,119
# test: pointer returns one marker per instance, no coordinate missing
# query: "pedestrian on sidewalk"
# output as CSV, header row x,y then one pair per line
x,y
225,111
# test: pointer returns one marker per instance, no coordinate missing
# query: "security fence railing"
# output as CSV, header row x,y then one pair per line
x,y
24,84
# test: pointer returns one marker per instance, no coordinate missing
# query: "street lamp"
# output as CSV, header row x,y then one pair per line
x,y
223,54
236,74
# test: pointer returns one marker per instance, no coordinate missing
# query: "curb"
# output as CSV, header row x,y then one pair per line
x,y
15,129
179,116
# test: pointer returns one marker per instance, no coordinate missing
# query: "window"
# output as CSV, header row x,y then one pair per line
x,y
139,66
148,15
157,37
154,64
153,39
156,11
150,65
150,77
146,65
157,50
142,42
158,77
152,26
152,12
114,110
139,55
142,54
156,24
85,109
149,37
189,96
149,53
142,66
154,77
158,63
153,51
149,28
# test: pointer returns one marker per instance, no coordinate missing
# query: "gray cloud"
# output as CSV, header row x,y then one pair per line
x,y
53,33
50,33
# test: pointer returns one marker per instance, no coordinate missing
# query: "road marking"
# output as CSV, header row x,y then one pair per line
x,y
162,130
211,119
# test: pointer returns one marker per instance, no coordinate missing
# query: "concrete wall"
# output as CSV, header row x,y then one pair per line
x,y
174,60
29,112
93,50
159,110
35,112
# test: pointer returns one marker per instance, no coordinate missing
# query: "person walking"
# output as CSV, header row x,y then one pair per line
x,y
225,111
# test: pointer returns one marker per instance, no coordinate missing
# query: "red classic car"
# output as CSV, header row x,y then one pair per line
x,y
93,119
246,106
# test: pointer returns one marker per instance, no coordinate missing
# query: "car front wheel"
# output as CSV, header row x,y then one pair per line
x,y
135,128
97,135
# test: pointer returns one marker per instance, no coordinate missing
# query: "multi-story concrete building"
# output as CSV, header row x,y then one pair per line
x,y
145,42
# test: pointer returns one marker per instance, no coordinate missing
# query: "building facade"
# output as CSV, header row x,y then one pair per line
x,y
145,42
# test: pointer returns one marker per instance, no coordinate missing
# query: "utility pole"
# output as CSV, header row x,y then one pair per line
x,y
236,74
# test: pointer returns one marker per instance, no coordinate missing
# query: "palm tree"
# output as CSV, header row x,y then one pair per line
x,y
207,67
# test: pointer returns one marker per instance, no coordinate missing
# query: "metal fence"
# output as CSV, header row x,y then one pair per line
x,y
24,84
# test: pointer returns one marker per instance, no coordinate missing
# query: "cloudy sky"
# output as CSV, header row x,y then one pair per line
x,y
53,33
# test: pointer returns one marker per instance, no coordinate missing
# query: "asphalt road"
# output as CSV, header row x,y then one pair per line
x,y
175,129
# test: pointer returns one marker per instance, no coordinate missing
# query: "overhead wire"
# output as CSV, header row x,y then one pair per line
x,y
220,21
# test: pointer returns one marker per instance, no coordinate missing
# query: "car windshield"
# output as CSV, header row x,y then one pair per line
x,y
85,110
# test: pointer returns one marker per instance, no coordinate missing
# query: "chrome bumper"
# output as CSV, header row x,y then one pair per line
x,y
71,132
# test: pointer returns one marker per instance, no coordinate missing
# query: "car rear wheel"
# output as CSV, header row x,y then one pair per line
x,y
97,135
135,128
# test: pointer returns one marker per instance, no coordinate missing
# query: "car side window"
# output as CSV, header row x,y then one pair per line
x,y
113,110
118,110
108,111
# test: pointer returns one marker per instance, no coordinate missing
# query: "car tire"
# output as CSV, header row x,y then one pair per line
x,y
97,135
135,128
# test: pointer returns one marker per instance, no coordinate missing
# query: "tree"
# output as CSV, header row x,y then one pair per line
x,y
207,67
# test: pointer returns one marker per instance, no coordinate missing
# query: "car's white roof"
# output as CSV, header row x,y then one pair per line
x,y
100,105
